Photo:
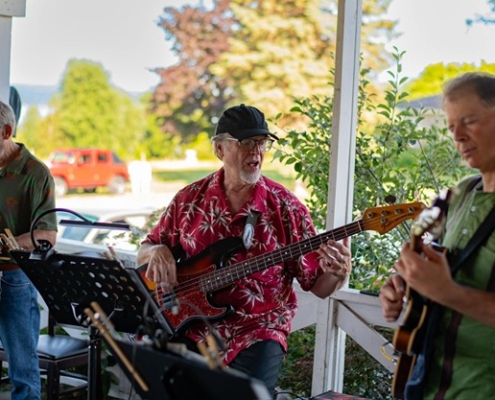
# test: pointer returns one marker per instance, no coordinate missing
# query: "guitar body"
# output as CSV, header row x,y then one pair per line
x,y
194,303
206,273
408,337
407,340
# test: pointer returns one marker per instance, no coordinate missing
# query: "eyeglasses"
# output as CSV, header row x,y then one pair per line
x,y
248,144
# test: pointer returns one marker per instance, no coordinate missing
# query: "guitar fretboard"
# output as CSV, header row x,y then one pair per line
x,y
219,278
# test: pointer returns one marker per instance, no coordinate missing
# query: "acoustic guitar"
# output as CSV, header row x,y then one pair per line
x,y
408,336
202,275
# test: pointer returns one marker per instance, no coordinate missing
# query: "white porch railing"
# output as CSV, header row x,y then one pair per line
x,y
353,313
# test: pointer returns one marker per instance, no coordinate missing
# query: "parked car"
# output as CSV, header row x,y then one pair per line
x,y
87,169
138,221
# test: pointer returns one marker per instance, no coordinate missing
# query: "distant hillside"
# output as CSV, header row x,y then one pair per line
x,y
35,95
434,102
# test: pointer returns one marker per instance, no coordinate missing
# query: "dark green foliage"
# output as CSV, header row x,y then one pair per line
x,y
363,375
297,369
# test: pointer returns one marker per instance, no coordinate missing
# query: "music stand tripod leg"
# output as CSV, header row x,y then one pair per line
x,y
94,366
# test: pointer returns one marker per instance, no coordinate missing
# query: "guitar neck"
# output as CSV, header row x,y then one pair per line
x,y
227,275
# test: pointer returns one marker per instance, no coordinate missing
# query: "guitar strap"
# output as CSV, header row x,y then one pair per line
x,y
247,235
456,259
483,231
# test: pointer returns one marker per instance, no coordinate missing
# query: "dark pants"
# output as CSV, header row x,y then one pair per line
x,y
261,361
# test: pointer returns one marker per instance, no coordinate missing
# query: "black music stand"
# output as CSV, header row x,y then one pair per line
x,y
69,283
170,375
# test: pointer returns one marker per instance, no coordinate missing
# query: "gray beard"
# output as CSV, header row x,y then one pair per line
x,y
250,178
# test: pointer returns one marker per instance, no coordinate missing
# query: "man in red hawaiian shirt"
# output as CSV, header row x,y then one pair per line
x,y
217,207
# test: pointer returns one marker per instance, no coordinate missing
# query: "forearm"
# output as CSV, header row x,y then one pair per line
x,y
473,303
327,284
24,240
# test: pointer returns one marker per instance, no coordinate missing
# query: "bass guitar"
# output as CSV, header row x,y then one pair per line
x,y
200,276
408,336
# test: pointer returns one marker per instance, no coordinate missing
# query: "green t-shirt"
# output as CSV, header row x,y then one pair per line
x,y
26,191
466,355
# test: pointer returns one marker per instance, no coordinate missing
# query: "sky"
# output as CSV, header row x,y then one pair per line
x,y
123,36
435,31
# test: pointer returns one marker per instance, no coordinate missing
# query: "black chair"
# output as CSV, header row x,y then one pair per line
x,y
59,354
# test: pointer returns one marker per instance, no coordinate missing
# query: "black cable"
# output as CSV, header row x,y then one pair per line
x,y
52,210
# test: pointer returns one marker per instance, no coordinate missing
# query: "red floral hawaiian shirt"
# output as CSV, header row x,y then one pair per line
x,y
264,302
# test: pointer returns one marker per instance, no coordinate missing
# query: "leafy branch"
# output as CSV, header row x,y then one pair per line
x,y
403,154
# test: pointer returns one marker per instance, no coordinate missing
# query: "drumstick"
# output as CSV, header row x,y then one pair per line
x,y
7,241
11,238
102,327
3,242
112,252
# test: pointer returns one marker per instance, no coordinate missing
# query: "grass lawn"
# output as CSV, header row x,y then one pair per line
x,y
187,176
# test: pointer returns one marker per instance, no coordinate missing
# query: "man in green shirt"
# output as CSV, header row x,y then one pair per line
x,y
26,191
458,356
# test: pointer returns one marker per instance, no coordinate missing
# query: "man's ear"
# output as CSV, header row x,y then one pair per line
x,y
7,132
219,150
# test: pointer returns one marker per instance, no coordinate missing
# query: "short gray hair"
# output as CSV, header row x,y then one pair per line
x,y
482,84
7,116
219,138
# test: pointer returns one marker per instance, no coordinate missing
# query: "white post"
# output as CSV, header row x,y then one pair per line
x,y
328,369
8,9
5,43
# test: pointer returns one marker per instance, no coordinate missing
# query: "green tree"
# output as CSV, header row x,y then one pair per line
x,y
203,147
283,49
189,94
27,132
431,80
40,134
265,53
401,156
92,113
158,145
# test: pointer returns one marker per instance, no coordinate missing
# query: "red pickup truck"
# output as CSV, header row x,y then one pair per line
x,y
87,169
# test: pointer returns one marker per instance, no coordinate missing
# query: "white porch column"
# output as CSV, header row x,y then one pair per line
x,y
8,9
328,366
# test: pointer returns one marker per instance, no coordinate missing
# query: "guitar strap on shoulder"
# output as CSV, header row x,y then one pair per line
x,y
483,231
247,235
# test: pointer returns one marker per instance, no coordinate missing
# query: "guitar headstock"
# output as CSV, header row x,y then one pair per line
x,y
432,219
383,219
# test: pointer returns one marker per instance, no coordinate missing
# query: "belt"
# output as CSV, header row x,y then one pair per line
x,y
8,267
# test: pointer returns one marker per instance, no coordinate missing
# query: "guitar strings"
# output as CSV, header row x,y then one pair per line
x,y
221,277
216,279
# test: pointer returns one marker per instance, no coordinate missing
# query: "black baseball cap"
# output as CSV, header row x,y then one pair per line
x,y
243,122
